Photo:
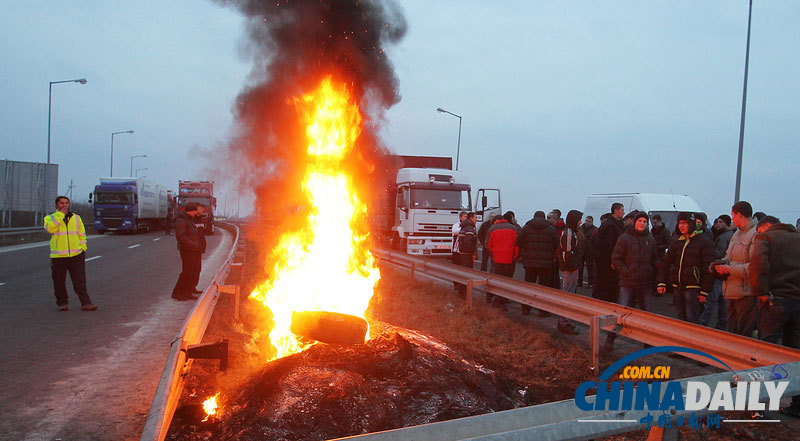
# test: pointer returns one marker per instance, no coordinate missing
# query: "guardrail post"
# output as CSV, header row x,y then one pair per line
x,y
595,326
471,283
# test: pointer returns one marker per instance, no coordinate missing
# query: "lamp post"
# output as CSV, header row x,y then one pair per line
x,y
50,106
135,156
138,170
458,150
744,102
111,172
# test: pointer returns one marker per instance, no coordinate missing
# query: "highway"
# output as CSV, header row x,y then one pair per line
x,y
90,375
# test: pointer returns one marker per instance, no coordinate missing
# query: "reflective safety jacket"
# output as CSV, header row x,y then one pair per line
x,y
68,240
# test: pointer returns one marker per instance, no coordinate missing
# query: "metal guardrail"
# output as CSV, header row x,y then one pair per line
x,y
736,351
172,379
561,420
20,231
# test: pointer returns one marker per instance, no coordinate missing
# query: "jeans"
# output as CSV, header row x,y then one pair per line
x,y
715,299
688,305
779,322
641,296
742,315
76,266
569,283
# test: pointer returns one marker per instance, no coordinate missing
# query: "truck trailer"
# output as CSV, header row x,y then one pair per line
x,y
129,205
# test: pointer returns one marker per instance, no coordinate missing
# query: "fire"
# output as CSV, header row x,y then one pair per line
x,y
210,406
326,264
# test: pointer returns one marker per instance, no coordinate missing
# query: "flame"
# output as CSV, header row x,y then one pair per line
x,y
210,406
326,264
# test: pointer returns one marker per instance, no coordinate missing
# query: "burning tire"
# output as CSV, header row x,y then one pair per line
x,y
329,327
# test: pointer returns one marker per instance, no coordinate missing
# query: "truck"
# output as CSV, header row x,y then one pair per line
x,y
422,201
665,204
128,205
202,193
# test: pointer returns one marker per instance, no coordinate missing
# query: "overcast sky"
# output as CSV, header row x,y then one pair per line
x,y
559,99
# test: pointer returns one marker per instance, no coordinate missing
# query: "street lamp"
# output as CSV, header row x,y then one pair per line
x,y
140,169
50,105
744,102
111,172
135,156
458,151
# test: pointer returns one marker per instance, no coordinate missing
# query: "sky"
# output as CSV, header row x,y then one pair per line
x,y
559,99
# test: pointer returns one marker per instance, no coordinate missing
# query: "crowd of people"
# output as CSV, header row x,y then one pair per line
x,y
745,268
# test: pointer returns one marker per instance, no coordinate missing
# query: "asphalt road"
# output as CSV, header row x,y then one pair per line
x,y
80,375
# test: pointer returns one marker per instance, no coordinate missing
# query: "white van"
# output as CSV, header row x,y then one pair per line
x,y
666,205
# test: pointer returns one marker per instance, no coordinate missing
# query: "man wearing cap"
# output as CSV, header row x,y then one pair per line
x,y
689,258
191,246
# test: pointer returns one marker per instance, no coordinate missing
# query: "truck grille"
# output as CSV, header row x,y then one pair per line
x,y
112,222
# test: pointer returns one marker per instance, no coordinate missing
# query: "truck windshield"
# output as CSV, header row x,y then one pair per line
x,y
440,199
114,197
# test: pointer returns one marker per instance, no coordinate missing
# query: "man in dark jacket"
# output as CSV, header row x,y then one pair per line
x,y
661,235
635,259
689,258
467,246
721,234
483,234
587,260
538,243
570,253
775,280
191,245
607,287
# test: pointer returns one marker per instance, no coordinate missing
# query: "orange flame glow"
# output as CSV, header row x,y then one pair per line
x,y
210,406
326,265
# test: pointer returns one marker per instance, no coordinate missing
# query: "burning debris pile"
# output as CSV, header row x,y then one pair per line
x,y
398,379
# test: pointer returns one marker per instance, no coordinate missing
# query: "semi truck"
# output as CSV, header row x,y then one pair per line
x,y
422,201
128,205
202,193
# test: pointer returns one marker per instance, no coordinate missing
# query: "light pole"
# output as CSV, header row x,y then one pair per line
x,y
138,170
458,150
135,156
50,106
111,172
744,102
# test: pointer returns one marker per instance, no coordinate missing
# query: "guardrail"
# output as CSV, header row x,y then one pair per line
x,y
736,351
19,231
172,379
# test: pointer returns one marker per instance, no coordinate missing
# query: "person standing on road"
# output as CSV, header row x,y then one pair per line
x,y
191,246
454,249
587,259
538,243
169,220
775,281
483,234
570,253
721,233
661,235
686,264
467,247
68,254
502,244
742,307
607,287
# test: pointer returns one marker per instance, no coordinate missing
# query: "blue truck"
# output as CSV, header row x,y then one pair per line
x,y
129,205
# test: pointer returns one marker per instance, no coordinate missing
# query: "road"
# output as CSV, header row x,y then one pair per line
x,y
80,375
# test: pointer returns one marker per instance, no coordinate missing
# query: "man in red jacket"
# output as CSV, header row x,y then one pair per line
x,y
502,244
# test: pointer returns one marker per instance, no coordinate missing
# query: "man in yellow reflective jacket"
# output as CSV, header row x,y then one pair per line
x,y
68,254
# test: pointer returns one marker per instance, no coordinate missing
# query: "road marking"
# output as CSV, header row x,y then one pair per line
x,y
157,238
92,258
134,246
1,283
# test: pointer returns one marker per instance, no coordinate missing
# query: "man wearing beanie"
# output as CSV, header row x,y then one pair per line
x,y
686,263
721,233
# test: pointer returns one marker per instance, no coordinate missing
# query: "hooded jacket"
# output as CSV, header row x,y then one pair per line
x,y
737,285
538,243
635,259
687,262
775,263
571,243
502,242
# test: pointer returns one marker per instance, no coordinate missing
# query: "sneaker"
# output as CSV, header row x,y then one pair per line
x,y
89,307
63,308
196,291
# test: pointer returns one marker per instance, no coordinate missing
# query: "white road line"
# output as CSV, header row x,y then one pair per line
x,y
157,238
134,246
1,283
92,258
751,421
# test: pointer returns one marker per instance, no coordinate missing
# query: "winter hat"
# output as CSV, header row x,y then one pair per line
x,y
640,214
686,216
538,214
725,218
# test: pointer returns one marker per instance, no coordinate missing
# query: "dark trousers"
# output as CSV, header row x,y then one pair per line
x,y
688,305
485,257
742,315
588,263
502,269
542,276
779,322
607,286
192,262
463,260
76,266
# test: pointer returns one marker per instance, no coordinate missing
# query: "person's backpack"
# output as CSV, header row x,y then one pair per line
x,y
568,250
